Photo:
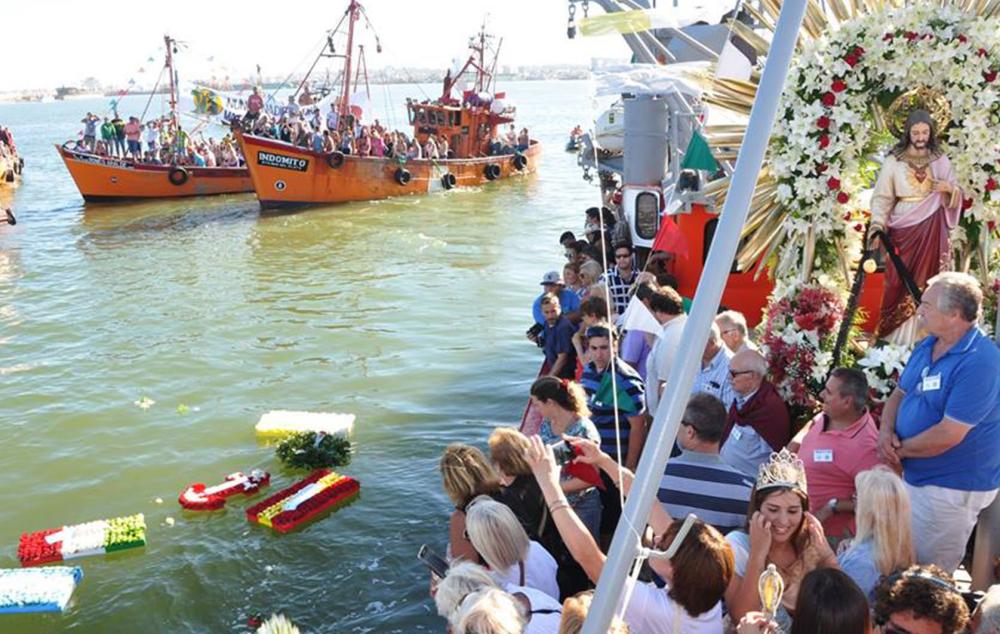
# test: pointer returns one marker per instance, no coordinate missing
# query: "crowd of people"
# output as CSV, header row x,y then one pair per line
x,y
155,142
865,520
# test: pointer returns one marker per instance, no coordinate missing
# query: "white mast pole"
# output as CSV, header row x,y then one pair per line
x,y
706,302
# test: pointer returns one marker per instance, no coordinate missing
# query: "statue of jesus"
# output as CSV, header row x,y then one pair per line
x,y
916,202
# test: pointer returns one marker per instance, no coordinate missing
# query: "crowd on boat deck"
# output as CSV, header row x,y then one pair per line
x,y
154,142
7,147
865,518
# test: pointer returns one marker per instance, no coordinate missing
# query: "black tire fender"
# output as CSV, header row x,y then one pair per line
x,y
520,162
448,181
178,176
335,159
403,176
492,172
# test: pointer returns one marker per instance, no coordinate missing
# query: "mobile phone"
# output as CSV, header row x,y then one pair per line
x,y
433,561
563,452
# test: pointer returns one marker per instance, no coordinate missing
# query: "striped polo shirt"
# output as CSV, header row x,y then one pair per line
x,y
631,402
701,483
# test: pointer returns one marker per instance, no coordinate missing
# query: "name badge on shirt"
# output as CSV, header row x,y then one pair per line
x,y
822,455
931,383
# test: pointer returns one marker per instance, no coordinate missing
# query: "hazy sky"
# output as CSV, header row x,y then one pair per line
x,y
64,41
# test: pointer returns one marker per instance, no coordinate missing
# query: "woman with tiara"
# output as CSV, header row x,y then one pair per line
x,y
781,532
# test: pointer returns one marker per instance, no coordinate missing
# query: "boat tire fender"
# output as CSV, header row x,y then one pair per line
x,y
448,181
519,161
9,176
178,176
335,159
403,176
492,172
11,220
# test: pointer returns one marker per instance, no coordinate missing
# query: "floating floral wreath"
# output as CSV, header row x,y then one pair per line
x,y
825,143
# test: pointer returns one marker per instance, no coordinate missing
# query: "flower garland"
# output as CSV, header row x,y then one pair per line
x,y
81,540
37,590
323,490
199,498
825,133
799,334
310,450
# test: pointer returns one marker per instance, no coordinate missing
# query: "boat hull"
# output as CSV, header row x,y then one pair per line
x,y
102,179
10,172
288,176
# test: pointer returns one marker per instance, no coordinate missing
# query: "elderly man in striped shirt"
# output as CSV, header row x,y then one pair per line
x,y
698,481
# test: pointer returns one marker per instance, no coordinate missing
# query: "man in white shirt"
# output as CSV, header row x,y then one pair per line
x,y
668,309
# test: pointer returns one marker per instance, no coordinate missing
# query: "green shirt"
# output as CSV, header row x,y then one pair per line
x,y
108,131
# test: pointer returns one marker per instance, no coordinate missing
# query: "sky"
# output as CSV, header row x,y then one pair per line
x,y
61,42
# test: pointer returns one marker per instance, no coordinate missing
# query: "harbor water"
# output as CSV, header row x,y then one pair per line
x,y
409,313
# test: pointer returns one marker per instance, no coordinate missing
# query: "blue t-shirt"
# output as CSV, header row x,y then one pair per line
x,y
964,385
569,302
558,339
858,563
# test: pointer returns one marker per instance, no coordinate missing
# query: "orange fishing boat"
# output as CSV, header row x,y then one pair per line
x,y
107,179
286,175
110,179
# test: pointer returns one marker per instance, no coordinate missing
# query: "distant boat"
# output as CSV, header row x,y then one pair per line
x,y
285,175
110,179
72,92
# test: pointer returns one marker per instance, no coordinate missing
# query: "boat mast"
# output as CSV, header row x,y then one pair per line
x,y
174,123
345,95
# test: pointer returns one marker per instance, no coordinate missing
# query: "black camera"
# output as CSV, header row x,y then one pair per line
x,y
563,452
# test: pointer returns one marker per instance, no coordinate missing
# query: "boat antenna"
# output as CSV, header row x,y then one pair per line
x,y
175,125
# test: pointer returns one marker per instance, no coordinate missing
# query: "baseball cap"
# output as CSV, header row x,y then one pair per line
x,y
552,277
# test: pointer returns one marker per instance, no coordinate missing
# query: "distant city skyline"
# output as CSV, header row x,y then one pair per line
x,y
62,42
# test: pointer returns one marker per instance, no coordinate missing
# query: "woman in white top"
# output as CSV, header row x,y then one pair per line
x,y
500,540
541,612
697,574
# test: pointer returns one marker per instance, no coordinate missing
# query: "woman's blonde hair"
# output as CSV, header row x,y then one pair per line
x,y
488,611
495,533
883,516
574,613
463,578
465,472
509,450
592,270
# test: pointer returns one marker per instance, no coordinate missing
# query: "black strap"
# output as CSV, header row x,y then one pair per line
x,y
520,566
549,611
904,273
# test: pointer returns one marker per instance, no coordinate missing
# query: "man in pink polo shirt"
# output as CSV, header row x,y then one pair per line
x,y
839,443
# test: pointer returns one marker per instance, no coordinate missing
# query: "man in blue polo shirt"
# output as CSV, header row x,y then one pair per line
x,y
942,423
569,302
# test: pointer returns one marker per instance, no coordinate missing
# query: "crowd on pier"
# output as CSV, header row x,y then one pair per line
x,y
864,519
155,142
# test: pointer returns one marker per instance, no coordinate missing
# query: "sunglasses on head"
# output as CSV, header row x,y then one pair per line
x,y
597,331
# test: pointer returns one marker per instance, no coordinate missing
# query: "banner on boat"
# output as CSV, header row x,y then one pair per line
x,y
269,159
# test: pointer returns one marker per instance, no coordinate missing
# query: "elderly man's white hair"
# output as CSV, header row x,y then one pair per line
x,y
489,611
989,612
462,579
960,293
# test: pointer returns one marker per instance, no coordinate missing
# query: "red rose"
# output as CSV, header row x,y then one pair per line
x,y
824,140
991,225
966,203
833,183
851,60
910,36
847,216
962,38
991,184
859,227
821,167
989,76
838,86
858,51
842,198
981,52
888,37
829,99
823,123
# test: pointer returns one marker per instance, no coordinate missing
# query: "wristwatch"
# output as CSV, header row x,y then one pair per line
x,y
833,504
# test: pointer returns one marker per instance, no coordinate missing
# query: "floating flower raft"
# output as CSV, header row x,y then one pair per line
x,y
199,498
280,423
322,490
81,540
37,590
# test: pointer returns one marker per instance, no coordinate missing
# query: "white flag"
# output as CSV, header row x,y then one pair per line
x,y
638,317
733,64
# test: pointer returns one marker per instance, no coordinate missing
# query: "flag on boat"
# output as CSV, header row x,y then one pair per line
x,y
670,239
638,317
698,156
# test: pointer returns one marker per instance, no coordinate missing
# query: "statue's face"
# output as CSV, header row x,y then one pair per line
x,y
920,135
